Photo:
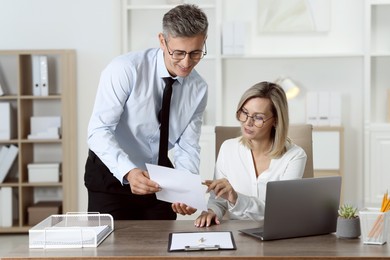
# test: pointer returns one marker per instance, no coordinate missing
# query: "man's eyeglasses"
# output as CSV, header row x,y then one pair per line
x,y
180,55
258,120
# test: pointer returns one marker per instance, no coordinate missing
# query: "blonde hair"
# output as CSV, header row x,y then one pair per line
x,y
279,108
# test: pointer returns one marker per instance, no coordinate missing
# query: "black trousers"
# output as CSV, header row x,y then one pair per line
x,y
107,195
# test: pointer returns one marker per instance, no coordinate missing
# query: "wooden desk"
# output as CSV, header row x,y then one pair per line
x,y
149,240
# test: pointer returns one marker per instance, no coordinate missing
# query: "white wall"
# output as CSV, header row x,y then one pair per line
x,y
91,27
344,34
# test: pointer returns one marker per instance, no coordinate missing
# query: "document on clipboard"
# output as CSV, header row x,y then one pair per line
x,y
201,241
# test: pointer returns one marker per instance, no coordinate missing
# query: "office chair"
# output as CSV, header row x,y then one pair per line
x,y
300,134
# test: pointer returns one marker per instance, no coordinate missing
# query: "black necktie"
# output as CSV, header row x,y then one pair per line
x,y
163,159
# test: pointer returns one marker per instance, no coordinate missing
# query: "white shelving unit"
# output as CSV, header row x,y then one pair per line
x,y
376,87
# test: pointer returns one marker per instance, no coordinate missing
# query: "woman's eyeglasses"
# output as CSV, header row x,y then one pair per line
x,y
258,119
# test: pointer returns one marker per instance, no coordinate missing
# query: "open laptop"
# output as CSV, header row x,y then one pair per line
x,y
296,208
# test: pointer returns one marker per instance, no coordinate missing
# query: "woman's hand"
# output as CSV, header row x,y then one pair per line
x,y
183,209
223,189
206,219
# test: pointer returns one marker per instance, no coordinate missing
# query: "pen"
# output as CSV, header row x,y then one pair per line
x,y
202,248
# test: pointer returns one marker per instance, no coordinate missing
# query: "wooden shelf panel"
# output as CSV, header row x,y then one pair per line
x,y
59,102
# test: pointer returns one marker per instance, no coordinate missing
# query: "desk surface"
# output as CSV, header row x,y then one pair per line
x,y
149,240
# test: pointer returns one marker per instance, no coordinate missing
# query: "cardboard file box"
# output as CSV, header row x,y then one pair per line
x,y
42,210
44,172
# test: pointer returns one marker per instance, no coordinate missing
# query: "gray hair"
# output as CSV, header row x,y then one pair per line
x,y
185,20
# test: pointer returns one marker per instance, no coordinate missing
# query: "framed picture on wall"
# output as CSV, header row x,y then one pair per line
x,y
293,16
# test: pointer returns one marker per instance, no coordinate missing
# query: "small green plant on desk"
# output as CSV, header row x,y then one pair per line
x,y
347,211
348,222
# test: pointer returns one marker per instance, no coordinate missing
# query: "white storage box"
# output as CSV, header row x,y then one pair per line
x,y
43,172
45,127
72,230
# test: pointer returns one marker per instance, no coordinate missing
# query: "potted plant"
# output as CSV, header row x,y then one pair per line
x,y
348,222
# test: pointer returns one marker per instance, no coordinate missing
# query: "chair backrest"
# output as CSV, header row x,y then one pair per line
x,y
300,134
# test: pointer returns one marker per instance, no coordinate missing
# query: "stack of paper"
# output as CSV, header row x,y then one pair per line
x,y
171,182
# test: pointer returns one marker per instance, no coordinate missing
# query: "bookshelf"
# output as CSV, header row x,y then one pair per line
x,y
16,77
376,86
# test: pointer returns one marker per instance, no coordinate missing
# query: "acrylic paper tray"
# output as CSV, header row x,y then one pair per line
x,y
71,230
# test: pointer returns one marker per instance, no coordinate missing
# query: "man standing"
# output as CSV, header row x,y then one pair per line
x,y
127,118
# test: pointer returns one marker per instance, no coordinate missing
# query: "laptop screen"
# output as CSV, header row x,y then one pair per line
x,y
302,207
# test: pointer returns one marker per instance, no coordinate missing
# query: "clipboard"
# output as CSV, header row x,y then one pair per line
x,y
201,241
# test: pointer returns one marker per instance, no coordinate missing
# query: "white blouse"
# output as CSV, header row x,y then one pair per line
x,y
235,163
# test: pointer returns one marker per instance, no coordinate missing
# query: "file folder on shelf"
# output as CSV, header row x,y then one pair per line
x,y
71,230
5,121
40,75
44,76
1,89
36,75
8,206
8,157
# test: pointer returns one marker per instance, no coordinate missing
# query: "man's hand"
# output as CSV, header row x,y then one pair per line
x,y
140,182
183,209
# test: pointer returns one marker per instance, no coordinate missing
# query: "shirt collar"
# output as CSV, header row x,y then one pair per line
x,y
162,69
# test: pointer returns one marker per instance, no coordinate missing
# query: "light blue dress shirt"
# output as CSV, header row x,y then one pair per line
x,y
124,129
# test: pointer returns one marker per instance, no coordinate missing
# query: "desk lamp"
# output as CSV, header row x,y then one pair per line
x,y
289,86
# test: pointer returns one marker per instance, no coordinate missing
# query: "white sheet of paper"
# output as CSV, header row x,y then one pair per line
x,y
179,186
198,239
